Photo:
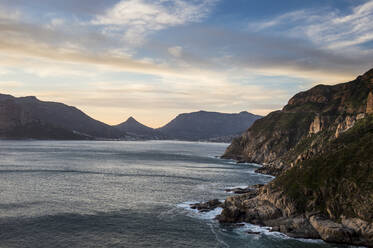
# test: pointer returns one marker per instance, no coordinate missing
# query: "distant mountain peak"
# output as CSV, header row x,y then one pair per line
x,y
131,119
138,130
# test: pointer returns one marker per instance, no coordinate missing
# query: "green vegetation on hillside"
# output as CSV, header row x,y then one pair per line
x,y
339,181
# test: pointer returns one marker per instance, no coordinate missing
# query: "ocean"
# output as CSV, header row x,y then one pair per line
x,y
123,194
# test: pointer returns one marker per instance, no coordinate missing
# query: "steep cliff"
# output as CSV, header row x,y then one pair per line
x,y
321,147
309,120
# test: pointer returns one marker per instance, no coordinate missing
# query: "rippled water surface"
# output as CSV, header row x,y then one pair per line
x,y
121,194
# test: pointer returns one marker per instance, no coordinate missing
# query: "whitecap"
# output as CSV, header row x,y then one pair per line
x,y
210,215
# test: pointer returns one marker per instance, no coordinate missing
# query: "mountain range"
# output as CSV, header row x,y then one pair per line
x,y
203,125
320,147
28,117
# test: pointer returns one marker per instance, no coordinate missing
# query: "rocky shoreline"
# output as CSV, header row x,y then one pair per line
x,y
320,148
266,206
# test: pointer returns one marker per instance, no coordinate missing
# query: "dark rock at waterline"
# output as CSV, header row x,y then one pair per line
x,y
251,232
207,206
238,225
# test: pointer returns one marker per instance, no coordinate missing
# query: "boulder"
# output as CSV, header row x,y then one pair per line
x,y
331,231
207,206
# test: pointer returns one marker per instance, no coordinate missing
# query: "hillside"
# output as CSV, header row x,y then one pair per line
x,y
205,125
28,117
338,181
321,147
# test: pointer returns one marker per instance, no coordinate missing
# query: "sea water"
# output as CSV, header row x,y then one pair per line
x,y
122,194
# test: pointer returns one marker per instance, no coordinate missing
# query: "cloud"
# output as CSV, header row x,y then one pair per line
x,y
209,49
71,56
269,54
328,28
136,18
6,85
6,14
294,16
176,51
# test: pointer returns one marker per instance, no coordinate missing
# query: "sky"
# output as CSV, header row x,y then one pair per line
x,y
154,59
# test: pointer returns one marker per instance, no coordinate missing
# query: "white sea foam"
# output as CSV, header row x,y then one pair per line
x,y
238,187
267,231
210,215
256,165
263,230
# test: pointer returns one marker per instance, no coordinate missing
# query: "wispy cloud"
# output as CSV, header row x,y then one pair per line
x,y
136,18
326,27
294,16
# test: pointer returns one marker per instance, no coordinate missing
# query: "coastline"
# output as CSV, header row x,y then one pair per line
x,y
270,211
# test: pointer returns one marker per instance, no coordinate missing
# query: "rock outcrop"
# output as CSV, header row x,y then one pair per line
x,y
369,109
207,206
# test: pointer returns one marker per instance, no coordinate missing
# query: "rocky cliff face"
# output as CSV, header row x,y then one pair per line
x,y
369,109
320,146
310,119
327,196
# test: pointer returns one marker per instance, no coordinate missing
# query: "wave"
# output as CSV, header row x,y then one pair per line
x,y
210,215
264,230
244,227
